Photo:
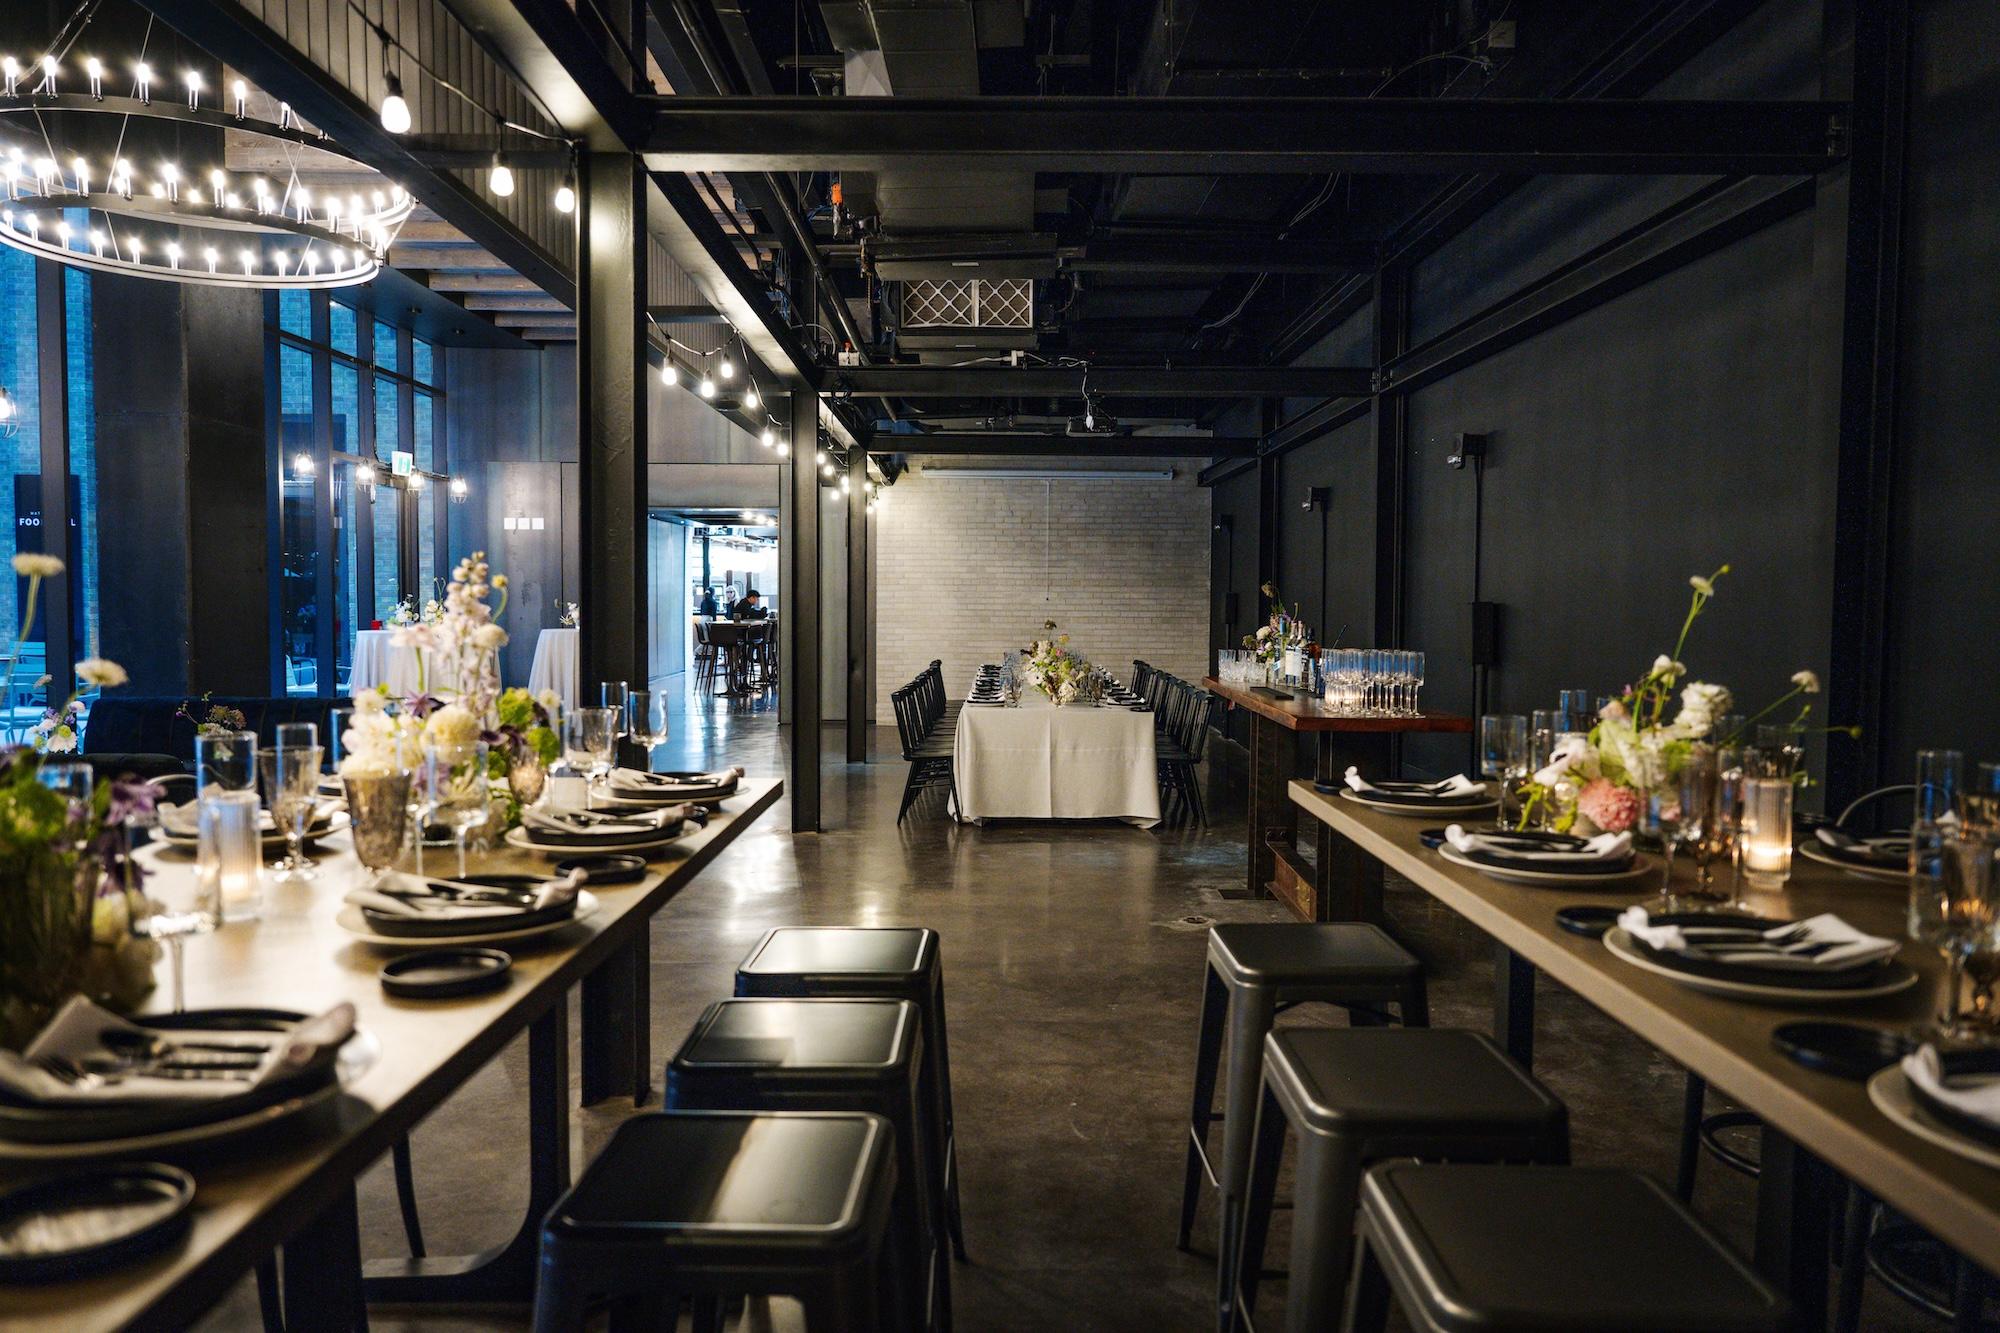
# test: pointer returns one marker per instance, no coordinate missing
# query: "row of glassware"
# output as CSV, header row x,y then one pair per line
x,y
1353,682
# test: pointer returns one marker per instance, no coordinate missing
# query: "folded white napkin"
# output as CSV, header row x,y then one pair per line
x,y
1603,847
184,821
1978,1098
1851,947
77,1031
1457,785
601,823
639,780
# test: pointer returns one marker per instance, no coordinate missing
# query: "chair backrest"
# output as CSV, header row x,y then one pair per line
x,y
1142,674
905,719
1207,715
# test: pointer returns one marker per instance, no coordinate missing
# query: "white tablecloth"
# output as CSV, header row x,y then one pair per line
x,y
554,667
377,661
1043,762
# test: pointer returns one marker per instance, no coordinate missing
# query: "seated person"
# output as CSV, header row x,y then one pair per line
x,y
708,609
750,606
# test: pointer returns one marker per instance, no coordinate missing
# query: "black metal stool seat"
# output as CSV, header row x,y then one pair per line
x,y
1254,970
830,1055
1355,1096
1499,1248
713,1204
887,962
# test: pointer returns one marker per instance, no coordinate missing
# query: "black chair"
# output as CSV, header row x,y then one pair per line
x,y
1506,1248
1351,1097
929,758
1254,971
892,962
830,1055
716,1204
1181,753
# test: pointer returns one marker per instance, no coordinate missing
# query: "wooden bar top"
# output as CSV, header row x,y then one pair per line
x,y
249,1199
1304,714
1727,1042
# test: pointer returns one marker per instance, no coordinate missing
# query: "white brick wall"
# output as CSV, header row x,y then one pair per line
x,y
966,570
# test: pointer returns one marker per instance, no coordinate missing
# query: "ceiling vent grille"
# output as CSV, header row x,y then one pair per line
x,y
974,303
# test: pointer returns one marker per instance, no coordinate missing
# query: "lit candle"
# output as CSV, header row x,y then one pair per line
x,y
1767,830
229,854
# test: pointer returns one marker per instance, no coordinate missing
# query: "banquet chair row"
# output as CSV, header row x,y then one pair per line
x,y
1183,717
807,1150
925,725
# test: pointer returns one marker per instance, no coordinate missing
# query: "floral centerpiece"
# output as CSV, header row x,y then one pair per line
x,y
460,650
1052,668
524,746
58,730
1636,749
568,615
212,719
1283,639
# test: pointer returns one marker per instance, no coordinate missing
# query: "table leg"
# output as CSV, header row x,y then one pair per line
x,y
1794,1210
1514,1004
1350,880
1270,807
322,1268
617,1026
505,1274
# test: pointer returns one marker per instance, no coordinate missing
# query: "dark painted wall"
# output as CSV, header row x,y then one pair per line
x,y
1683,425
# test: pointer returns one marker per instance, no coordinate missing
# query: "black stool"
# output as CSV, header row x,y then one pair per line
x,y
1354,1096
829,1055
714,1204
891,963
1255,970
1500,1248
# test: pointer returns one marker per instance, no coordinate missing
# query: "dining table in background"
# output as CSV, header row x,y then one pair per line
x,y
1041,761
555,664
1811,1120
1341,739
296,1188
379,661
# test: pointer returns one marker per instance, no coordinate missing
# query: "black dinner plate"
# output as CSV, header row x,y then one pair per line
x,y
1857,977
581,841
1591,920
1404,800
1577,865
82,1124
1954,1119
83,1222
424,927
440,974
618,869
1845,1050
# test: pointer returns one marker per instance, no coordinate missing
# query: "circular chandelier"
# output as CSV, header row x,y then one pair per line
x,y
149,216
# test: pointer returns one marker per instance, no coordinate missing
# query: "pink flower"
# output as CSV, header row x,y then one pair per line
x,y
1607,805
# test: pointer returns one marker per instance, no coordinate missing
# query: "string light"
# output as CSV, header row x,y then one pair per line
x,y
416,481
500,178
751,401
728,367
302,465
707,387
566,194
669,374
395,111
768,438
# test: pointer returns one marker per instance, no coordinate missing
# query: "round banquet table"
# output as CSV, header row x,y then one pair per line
x,y
379,661
554,667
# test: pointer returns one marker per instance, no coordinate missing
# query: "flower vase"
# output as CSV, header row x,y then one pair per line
x,y
47,902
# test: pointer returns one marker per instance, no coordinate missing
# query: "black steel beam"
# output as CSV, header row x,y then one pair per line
x,y
1220,255
685,314
1216,473
1055,443
1389,414
1315,421
1712,218
230,33
801,610
1103,381
1223,136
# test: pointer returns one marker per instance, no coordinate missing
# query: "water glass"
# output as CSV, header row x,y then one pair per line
x,y
590,743
227,883
291,789
455,792
1574,708
74,781
1776,753
611,694
339,721
1503,755
645,718
379,806
226,760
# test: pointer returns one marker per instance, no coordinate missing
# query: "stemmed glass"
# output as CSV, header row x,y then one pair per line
x,y
590,742
646,719
174,907
291,786
1706,829
1503,755
1957,909
455,792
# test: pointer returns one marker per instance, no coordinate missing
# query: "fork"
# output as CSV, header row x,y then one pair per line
x,y
65,1070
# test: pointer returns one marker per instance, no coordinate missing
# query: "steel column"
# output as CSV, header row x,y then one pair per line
x,y
611,409
802,611
858,619
1390,417
51,321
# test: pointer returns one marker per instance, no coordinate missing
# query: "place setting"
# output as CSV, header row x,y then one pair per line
x,y
1455,795
1544,859
1819,960
565,831
633,786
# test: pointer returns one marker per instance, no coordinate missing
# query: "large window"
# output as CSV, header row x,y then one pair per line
x,y
359,531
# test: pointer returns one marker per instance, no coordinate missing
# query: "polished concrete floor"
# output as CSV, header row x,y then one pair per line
x,y
1073,960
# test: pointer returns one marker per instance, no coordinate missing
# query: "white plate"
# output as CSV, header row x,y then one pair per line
x,y
272,839
356,1058
1890,1091
355,924
1810,850
1899,977
1418,812
518,838
1642,866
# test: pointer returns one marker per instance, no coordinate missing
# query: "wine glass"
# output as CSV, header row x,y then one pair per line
x,y
646,720
1416,684
1503,755
455,790
1703,828
291,782
174,907
590,740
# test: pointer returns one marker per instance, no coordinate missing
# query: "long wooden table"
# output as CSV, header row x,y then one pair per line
x,y
296,1190
1810,1117
1275,868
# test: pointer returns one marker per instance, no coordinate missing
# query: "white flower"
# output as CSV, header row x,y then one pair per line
x,y
30,565
370,701
452,725
500,582
1807,682
1701,705
101,671
1666,666
489,638
366,766
1701,585
550,701
1265,631
62,742
419,637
